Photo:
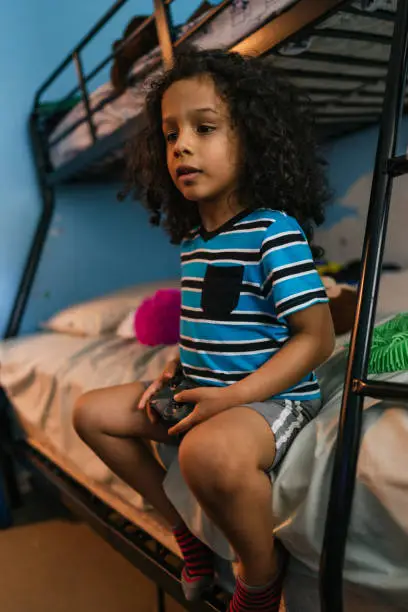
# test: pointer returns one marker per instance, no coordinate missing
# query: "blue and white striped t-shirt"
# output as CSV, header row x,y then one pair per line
x,y
239,284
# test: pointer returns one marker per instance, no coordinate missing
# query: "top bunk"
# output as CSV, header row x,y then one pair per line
x,y
335,51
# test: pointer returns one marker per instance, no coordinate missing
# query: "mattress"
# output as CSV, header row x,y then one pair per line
x,y
230,25
45,373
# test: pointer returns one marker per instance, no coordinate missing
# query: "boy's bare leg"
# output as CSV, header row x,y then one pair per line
x,y
109,421
223,461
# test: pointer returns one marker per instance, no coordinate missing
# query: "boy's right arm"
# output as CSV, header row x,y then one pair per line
x,y
168,373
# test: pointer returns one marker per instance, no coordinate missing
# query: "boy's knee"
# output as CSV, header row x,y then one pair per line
x,y
83,417
208,464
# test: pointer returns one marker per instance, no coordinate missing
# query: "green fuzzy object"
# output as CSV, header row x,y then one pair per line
x,y
389,348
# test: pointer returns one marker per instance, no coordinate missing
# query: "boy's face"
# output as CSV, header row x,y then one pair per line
x,y
202,146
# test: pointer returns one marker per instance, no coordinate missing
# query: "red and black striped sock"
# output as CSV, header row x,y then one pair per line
x,y
261,599
198,557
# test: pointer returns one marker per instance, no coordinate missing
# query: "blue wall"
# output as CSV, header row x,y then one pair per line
x,y
96,244
351,162
354,155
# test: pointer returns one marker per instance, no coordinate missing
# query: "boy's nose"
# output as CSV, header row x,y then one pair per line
x,y
183,146
181,152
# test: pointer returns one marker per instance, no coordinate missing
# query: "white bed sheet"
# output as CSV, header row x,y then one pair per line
x,y
45,373
226,29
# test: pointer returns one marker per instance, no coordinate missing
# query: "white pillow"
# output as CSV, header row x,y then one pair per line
x,y
126,328
104,314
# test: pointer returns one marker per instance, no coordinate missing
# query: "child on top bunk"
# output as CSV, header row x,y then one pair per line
x,y
229,163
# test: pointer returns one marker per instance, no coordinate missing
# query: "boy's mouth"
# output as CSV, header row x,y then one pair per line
x,y
187,172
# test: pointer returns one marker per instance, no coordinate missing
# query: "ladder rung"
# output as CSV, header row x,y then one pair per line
x,y
381,389
397,166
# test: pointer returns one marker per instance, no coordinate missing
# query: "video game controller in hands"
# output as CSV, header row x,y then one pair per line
x,y
164,404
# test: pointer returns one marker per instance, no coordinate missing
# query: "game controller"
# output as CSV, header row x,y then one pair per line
x,y
164,404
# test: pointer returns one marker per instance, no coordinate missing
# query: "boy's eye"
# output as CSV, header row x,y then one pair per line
x,y
205,129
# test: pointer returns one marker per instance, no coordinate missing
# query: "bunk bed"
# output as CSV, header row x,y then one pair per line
x,y
350,57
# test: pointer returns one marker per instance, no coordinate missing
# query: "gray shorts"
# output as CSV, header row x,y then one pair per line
x,y
286,418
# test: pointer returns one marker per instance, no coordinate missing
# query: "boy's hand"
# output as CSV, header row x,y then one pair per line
x,y
144,404
208,402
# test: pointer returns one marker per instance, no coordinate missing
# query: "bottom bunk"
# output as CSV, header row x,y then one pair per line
x,y
139,536
45,373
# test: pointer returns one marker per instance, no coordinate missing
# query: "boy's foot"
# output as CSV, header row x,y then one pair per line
x,y
198,574
257,599
194,587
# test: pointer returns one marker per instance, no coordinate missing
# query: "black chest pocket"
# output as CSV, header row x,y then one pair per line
x,y
221,289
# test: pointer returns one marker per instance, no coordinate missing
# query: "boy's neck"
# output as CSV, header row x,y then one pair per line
x,y
214,215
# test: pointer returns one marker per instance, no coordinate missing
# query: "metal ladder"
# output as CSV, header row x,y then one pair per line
x,y
357,387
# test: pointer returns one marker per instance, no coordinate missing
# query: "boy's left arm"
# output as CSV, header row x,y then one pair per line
x,y
311,343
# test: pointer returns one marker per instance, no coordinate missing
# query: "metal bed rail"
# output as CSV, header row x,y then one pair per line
x,y
165,31
161,14
301,15
357,387
33,259
167,44
154,560
78,48
296,21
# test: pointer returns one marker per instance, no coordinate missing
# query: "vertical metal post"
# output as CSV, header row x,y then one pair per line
x,y
161,599
7,467
85,95
10,493
165,31
345,463
37,245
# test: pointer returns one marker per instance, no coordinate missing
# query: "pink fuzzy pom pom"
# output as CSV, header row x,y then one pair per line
x,y
157,320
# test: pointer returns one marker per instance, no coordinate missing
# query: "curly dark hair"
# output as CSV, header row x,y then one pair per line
x,y
281,167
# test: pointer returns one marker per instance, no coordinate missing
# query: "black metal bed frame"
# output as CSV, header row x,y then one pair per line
x,y
139,547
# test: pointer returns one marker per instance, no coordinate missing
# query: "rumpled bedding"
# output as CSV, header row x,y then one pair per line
x,y
45,373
